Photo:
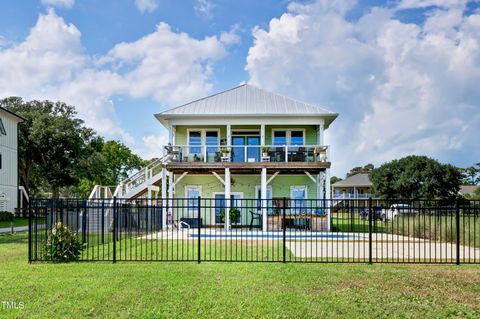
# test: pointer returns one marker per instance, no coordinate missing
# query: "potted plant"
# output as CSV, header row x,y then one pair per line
x,y
225,151
234,215
320,152
265,151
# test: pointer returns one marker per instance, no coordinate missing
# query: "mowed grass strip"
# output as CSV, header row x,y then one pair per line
x,y
232,290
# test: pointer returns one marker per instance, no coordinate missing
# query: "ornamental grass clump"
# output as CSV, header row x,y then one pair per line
x,y
62,244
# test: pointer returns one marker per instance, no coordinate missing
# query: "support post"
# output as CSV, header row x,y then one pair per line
x,y
328,197
164,198
284,227
170,191
199,228
370,213
30,231
457,227
263,195
114,229
227,198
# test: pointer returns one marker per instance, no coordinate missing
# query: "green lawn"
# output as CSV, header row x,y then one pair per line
x,y
17,221
232,290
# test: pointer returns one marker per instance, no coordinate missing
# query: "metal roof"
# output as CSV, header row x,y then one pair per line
x,y
358,180
247,101
467,189
11,113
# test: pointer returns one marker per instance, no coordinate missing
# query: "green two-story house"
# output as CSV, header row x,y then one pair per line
x,y
246,143
256,148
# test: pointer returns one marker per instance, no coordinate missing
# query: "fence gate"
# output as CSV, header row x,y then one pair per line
x,y
275,230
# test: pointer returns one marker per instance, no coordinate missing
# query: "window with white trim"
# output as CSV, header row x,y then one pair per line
x,y
298,195
289,137
192,192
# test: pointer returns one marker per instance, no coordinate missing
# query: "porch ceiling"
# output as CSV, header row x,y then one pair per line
x,y
248,168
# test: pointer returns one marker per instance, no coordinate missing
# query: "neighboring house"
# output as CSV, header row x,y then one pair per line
x,y
467,190
243,143
356,186
9,160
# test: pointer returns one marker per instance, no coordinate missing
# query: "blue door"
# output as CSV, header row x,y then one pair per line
x,y
241,153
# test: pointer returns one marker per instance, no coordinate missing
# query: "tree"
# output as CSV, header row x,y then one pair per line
x,y
120,161
334,179
471,174
415,177
360,170
53,143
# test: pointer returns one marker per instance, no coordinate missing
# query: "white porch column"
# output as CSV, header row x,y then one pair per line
x,y
263,195
164,198
262,135
227,198
320,190
229,135
320,138
171,188
328,196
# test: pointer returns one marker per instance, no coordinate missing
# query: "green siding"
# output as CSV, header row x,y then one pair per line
x,y
245,184
310,132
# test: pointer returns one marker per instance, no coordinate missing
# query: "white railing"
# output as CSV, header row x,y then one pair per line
x,y
351,196
247,153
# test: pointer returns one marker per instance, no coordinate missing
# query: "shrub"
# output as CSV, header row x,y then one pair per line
x,y
234,215
6,216
62,244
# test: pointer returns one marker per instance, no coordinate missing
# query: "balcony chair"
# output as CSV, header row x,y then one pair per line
x,y
255,216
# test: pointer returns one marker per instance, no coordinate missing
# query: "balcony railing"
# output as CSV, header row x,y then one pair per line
x,y
351,196
247,153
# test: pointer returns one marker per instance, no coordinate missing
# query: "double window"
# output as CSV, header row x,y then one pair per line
x,y
289,137
197,138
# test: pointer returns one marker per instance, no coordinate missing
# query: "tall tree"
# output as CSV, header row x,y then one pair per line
x,y
471,174
416,177
54,145
120,161
361,170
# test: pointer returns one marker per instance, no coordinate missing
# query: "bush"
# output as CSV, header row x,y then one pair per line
x,y
62,244
6,217
234,215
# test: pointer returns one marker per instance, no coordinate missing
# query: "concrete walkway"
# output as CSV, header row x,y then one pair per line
x,y
15,229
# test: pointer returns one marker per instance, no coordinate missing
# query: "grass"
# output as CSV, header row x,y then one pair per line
x,y
17,221
232,290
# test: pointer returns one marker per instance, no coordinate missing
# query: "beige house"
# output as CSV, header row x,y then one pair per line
x,y
356,186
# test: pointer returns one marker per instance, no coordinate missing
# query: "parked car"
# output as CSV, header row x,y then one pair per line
x,y
397,209
377,213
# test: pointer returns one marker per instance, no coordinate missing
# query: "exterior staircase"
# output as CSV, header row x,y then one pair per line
x,y
100,201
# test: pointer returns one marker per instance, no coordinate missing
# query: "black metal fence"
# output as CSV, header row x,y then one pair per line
x,y
274,230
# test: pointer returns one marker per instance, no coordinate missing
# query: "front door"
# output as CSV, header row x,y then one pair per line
x,y
246,148
220,206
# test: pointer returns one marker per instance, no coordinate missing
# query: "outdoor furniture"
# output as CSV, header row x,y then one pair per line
x,y
255,216
298,156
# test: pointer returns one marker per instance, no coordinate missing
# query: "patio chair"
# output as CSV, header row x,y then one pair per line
x,y
299,155
255,216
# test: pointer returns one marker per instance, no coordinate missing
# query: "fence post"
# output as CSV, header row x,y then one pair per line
x,y
284,227
199,228
114,229
30,231
103,221
370,211
457,226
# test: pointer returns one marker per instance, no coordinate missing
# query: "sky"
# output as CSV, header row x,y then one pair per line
x,y
404,75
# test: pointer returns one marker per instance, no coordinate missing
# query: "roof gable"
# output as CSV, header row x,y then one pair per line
x,y
246,100
357,180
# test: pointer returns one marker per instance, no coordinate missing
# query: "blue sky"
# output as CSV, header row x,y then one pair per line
x,y
400,73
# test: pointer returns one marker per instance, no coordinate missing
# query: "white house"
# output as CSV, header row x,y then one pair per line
x,y
9,160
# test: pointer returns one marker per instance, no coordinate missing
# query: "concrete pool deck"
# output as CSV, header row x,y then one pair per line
x,y
328,245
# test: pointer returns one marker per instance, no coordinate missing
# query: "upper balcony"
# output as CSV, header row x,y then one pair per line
x,y
211,157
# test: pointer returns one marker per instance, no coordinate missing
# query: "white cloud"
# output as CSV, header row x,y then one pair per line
x,y
146,5
232,36
152,146
400,88
409,4
59,3
204,8
51,63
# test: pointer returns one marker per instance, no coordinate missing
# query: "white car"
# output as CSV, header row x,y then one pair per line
x,y
397,209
